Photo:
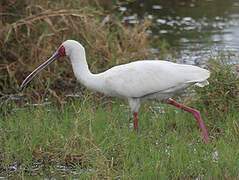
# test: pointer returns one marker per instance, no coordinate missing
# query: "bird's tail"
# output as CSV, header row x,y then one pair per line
x,y
202,84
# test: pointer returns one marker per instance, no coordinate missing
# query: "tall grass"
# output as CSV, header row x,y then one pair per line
x,y
87,139
220,98
222,94
97,142
92,137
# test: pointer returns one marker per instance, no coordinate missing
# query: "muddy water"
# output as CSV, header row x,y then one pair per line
x,y
197,30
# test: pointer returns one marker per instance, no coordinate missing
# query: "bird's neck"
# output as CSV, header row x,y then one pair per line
x,y
83,74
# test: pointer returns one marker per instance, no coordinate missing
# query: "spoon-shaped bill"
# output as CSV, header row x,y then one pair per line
x,y
38,69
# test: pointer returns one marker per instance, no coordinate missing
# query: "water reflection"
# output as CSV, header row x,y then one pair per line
x,y
197,29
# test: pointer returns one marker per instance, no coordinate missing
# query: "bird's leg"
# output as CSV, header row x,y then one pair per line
x,y
136,121
134,106
195,113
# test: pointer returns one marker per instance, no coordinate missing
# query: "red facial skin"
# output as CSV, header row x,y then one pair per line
x,y
61,51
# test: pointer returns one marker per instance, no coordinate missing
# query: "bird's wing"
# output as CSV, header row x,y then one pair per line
x,y
140,78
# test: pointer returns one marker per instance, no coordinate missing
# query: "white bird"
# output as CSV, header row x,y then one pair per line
x,y
135,81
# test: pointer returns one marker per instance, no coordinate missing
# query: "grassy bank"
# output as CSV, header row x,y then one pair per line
x,y
98,142
94,138
91,136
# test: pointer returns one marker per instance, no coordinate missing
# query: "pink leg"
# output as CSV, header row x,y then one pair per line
x,y
196,115
136,121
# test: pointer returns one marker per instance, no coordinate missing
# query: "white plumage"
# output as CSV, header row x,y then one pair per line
x,y
136,81
142,78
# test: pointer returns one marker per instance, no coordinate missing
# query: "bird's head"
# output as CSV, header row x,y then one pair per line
x,y
69,46
65,49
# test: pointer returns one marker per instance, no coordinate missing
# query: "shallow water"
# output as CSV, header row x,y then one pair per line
x,y
197,30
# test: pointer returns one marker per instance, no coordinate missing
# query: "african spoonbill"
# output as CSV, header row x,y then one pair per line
x,y
135,81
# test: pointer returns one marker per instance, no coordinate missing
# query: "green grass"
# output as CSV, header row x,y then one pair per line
x,y
92,136
98,142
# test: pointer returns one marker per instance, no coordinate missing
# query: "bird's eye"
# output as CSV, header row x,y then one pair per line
x,y
62,51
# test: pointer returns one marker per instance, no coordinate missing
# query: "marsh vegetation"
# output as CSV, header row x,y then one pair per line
x,y
57,128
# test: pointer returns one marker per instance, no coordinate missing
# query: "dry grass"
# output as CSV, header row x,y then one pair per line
x,y
32,37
